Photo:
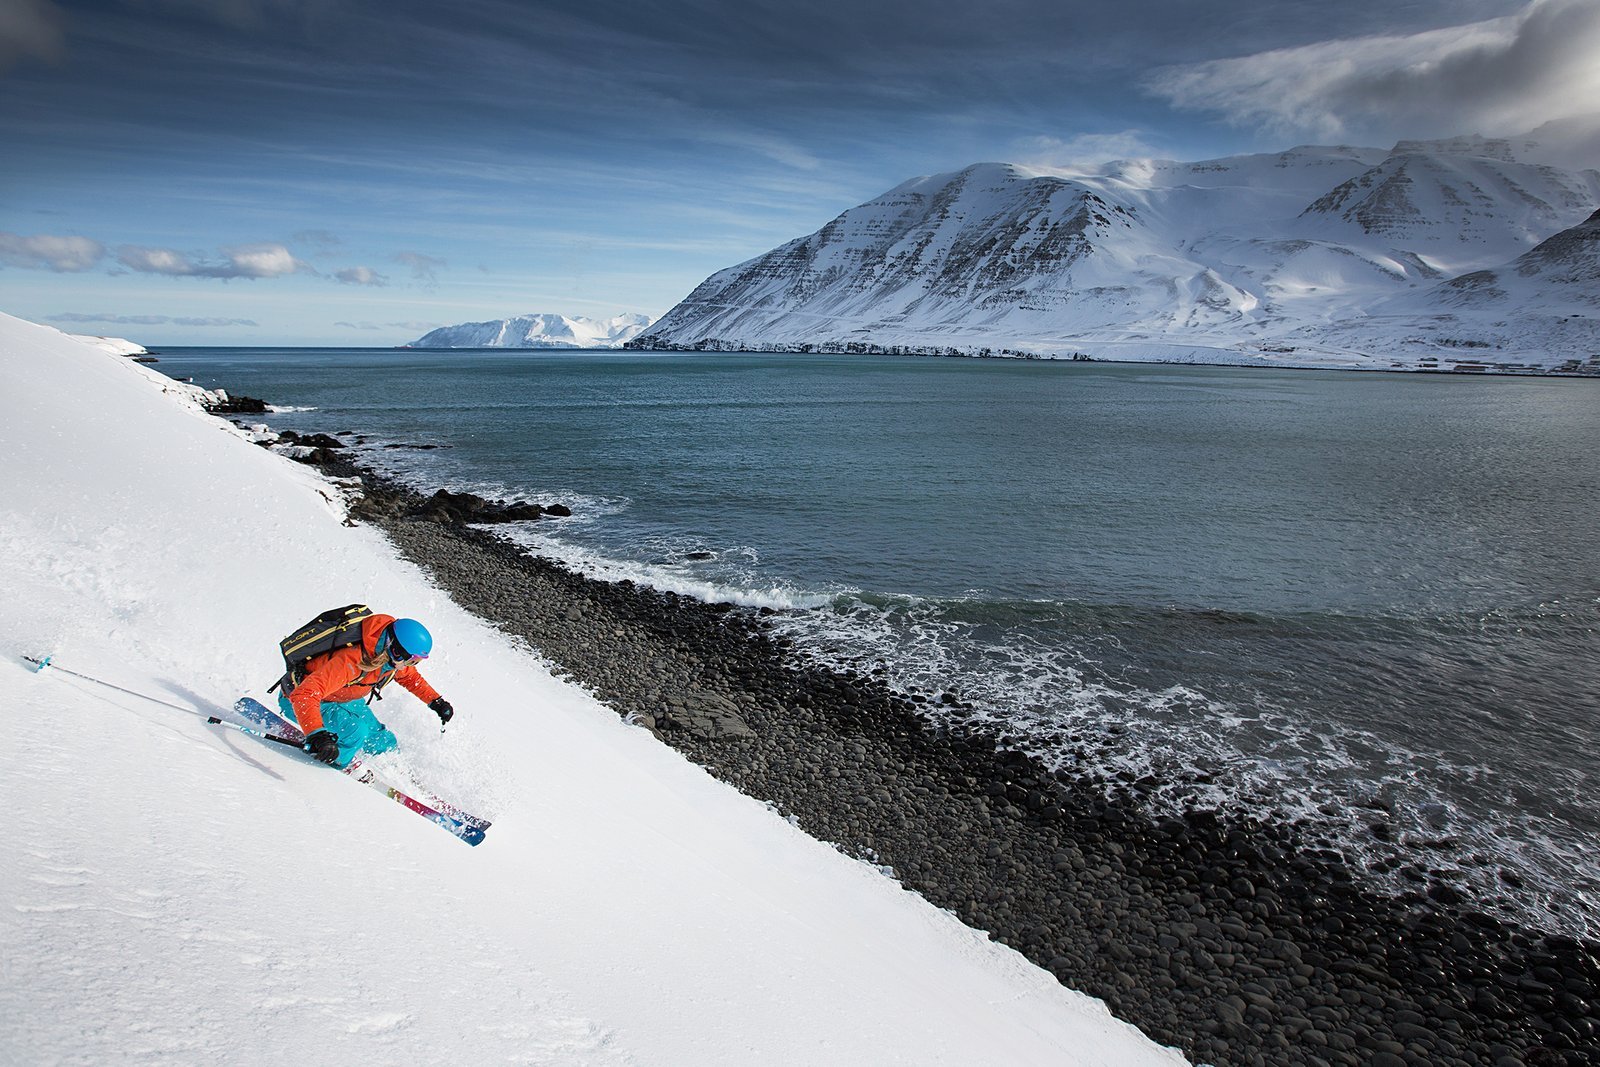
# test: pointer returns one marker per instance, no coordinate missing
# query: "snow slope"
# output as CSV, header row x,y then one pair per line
x,y
536,331
1261,258
117,346
179,893
1546,300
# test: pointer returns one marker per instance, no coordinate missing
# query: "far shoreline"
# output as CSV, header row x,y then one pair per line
x,y
1588,370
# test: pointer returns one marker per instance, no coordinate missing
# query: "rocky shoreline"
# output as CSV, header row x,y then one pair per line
x,y
1232,940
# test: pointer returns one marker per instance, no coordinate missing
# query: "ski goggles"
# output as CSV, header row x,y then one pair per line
x,y
400,657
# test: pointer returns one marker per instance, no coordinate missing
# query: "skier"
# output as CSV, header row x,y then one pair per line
x,y
331,702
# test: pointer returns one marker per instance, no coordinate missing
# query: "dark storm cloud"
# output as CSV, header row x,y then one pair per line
x,y
765,77
29,29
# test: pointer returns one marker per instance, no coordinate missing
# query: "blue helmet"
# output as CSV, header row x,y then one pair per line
x,y
409,639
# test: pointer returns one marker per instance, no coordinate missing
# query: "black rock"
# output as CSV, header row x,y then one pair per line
x,y
237,405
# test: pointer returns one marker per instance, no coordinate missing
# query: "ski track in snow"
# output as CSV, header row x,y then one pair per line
x,y
196,942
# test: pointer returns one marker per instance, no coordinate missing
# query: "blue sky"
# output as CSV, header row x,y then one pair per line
x,y
350,172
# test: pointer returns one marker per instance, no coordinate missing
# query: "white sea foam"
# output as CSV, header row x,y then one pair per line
x,y
1190,750
672,577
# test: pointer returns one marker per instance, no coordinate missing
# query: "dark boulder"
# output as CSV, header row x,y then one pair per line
x,y
237,405
445,506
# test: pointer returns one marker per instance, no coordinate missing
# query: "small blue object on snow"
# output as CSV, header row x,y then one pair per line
x,y
42,663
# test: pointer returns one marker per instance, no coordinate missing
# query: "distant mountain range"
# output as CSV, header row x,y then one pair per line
x,y
536,331
1468,253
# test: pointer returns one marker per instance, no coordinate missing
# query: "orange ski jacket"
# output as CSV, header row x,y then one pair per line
x,y
337,677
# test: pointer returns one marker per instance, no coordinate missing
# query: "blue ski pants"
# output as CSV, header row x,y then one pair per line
x,y
358,730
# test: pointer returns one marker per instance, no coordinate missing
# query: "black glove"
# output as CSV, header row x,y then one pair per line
x,y
441,707
323,745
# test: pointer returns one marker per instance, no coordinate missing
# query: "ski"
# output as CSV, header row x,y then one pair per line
x,y
257,712
471,833
468,828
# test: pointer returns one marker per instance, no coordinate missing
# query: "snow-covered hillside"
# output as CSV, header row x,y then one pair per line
x,y
1547,299
117,346
179,893
1250,259
537,331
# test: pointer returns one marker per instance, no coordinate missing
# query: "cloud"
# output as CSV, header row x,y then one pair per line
x,y
1086,150
234,14
777,149
322,242
243,261
29,29
414,326
360,276
422,267
1504,75
49,252
147,320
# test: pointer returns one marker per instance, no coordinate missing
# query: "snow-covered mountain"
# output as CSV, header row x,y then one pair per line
x,y
537,331
1274,258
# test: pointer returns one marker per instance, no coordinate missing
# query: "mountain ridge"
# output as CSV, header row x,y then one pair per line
x,y
536,331
1290,257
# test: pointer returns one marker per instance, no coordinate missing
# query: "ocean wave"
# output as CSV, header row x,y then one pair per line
x,y
672,569
1062,681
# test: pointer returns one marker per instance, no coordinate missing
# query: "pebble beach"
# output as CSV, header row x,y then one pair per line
x,y
1229,938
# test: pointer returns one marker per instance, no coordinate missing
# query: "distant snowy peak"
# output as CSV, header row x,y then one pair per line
x,y
982,237
1291,257
537,331
1475,194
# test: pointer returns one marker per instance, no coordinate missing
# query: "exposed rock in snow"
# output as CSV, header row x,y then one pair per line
x,y
1252,259
537,331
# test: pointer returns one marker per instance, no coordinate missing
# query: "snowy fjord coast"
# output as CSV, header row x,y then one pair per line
x,y
537,331
1237,940
1467,254
182,894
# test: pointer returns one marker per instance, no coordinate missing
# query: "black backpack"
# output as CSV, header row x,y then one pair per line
x,y
333,629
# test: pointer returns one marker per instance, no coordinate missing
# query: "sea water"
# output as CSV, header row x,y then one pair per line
x,y
1367,602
